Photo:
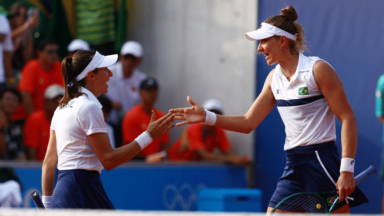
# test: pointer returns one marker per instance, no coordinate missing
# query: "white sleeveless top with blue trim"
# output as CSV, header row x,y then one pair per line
x,y
305,112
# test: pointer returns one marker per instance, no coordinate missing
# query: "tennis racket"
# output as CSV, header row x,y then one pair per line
x,y
36,198
307,202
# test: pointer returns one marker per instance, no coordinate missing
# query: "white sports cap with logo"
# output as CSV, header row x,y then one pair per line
x,y
213,104
267,30
53,91
133,48
78,44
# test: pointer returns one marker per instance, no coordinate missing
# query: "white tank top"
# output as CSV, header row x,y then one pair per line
x,y
305,112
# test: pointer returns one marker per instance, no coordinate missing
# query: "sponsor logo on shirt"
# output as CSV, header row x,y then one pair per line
x,y
303,91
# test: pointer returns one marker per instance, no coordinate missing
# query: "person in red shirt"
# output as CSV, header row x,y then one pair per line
x,y
36,76
136,119
198,141
37,126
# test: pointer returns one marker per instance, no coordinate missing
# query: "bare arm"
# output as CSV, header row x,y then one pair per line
x,y
332,88
111,158
49,164
27,101
30,24
262,106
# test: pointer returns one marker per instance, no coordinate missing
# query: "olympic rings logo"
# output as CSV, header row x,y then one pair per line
x,y
184,196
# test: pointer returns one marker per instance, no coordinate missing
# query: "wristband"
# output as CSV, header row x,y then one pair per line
x,y
47,201
144,139
347,165
210,118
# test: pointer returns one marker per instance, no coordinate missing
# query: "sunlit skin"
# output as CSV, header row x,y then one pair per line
x,y
97,83
278,50
100,142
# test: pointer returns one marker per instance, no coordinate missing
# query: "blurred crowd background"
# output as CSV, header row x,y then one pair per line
x,y
38,34
168,50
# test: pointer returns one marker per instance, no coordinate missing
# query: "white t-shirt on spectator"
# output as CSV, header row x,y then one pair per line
x,y
82,116
124,91
6,45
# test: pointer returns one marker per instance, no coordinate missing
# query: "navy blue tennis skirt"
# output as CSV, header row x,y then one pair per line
x,y
80,189
304,173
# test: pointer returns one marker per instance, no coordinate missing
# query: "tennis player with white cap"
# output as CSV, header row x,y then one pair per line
x,y
79,142
308,94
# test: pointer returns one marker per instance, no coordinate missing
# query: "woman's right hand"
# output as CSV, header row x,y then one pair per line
x,y
190,115
157,128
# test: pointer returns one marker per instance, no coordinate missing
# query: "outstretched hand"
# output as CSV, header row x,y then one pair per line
x,y
157,128
190,115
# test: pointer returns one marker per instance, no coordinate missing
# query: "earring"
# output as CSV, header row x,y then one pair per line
x,y
280,47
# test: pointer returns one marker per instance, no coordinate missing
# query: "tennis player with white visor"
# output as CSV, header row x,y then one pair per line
x,y
79,142
308,94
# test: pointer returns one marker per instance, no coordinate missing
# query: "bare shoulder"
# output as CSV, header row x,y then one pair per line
x,y
269,77
322,68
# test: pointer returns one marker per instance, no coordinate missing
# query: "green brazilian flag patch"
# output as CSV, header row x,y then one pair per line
x,y
331,200
303,91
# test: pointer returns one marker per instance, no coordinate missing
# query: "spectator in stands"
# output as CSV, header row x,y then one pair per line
x,y
10,188
37,125
6,47
107,107
22,37
136,120
198,141
11,140
124,85
37,75
77,45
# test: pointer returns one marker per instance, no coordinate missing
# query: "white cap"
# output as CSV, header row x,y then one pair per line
x,y
53,91
267,30
78,44
132,47
213,104
98,61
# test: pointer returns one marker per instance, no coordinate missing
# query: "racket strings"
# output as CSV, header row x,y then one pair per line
x,y
303,203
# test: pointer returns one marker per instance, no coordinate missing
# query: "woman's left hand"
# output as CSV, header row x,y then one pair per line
x,y
345,185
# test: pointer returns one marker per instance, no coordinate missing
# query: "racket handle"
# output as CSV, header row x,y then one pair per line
x,y
365,174
36,198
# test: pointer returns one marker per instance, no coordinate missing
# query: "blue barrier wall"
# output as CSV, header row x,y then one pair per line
x,y
349,35
140,186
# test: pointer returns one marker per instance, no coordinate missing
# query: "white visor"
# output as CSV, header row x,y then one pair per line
x,y
267,30
98,61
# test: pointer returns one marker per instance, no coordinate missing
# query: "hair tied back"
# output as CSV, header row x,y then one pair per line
x,y
289,13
